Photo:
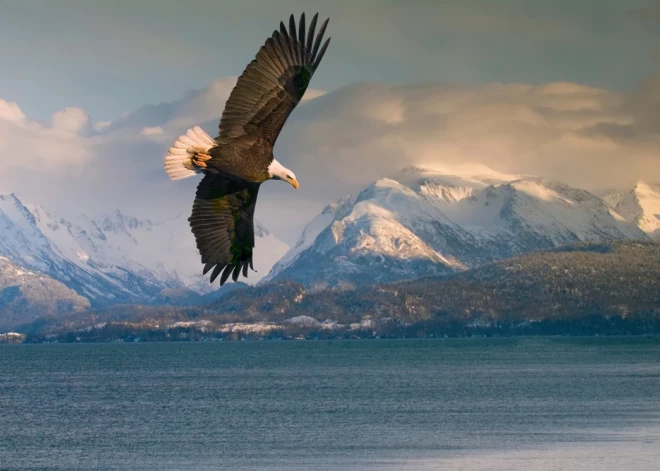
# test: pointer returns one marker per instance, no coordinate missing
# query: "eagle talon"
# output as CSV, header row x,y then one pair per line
x,y
200,160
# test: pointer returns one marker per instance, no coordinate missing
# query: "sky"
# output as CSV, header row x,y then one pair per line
x,y
93,93
111,57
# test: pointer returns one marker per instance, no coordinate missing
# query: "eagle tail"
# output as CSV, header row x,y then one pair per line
x,y
179,161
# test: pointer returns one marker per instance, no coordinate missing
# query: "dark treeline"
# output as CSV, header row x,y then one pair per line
x,y
597,325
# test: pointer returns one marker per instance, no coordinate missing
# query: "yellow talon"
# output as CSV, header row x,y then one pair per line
x,y
200,160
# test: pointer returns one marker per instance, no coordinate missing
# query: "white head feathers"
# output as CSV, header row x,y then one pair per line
x,y
277,171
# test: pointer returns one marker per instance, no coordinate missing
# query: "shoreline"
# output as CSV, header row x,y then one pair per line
x,y
635,338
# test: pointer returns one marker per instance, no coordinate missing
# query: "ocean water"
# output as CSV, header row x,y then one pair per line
x,y
475,404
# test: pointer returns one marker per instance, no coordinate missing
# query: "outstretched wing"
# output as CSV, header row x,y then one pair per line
x,y
222,221
274,82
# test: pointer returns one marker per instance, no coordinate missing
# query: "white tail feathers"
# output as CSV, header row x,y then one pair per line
x,y
178,161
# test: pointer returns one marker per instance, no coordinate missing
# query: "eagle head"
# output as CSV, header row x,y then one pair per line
x,y
277,171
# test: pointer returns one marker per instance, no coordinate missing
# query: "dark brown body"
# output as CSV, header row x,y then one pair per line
x,y
242,157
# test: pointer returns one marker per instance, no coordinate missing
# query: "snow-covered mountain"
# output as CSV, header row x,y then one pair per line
x,y
639,206
115,257
310,233
25,295
430,222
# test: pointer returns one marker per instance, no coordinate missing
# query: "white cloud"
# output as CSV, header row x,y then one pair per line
x,y
193,107
340,141
27,146
151,131
71,120
101,125
10,111
312,93
583,135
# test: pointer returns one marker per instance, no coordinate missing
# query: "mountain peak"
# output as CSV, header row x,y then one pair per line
x,y
10,197
640,206
646,188
333,208
15,206
430,221
260,230
118,221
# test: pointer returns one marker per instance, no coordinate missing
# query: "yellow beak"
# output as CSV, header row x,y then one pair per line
x,y
294,183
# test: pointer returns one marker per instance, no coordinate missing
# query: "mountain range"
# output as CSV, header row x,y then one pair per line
x,y
425,222
115,258
579,289
416,223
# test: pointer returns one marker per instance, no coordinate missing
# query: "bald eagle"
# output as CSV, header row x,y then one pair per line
x,y
240,158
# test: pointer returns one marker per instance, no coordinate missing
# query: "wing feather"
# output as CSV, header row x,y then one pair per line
x,y
273,84
225,274
222,222
310,37
321,53
319,37
287,48
215,273
301,36
293,40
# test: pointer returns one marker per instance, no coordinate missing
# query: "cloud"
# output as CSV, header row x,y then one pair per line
x,y
195,106
72,121
101,125
151,131
27,145
340,141
583,135
10,111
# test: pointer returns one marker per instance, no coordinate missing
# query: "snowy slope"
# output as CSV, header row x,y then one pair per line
x,y
639,206
25,295
310,233
115,257
430,222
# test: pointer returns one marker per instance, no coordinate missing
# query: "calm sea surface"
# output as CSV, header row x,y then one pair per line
x,y
503,404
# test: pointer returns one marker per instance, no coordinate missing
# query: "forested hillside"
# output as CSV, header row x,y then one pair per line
x,y
581,289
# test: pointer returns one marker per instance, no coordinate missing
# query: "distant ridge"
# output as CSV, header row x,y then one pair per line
x,y
114,258
425,222
581,289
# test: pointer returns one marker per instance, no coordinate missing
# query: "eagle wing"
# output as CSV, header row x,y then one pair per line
x,y
222,221
274,82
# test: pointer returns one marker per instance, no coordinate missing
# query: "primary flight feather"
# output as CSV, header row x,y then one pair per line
x,y
240,158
